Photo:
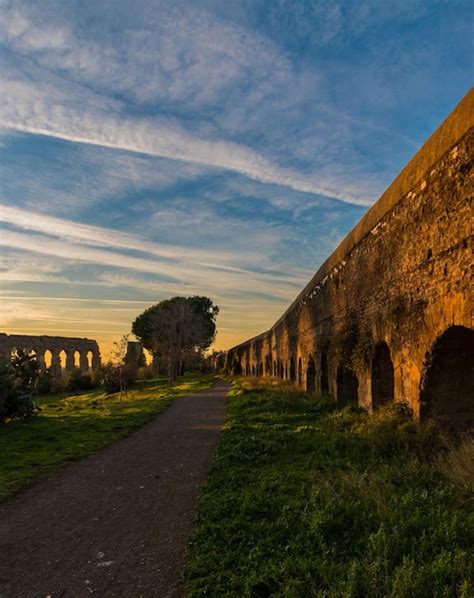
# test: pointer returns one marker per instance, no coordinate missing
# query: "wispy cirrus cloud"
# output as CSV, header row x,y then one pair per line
x,y
47,108
155,138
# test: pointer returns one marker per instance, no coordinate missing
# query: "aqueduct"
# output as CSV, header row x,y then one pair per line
x,y
58,352
388,316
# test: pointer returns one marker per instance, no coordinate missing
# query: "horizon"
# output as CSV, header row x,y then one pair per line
x,y
203,150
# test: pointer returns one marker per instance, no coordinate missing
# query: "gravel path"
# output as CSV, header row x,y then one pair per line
x,y
117,522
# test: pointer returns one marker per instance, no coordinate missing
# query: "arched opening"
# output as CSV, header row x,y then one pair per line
x,y
77,359
300,372
260,369
286,371
347,385
63,359
237,368
447,392
324,374
311,376
89,360
48,358
268,366
292,370
253,370
382,376
275,373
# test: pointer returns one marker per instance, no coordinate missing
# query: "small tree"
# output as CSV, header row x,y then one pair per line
x,y
117,375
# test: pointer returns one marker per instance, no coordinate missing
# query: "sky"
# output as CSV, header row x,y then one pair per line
x,y
223,148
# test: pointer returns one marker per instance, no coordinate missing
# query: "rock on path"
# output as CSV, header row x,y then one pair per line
x,y
117,522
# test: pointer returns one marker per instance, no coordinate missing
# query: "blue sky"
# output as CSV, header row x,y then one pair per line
x,y
152,148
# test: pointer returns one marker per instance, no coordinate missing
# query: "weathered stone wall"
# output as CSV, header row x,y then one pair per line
x,y
87,349
365,327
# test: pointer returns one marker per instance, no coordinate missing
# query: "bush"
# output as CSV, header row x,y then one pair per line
x,y
17,384
45,382
114,378
79,380
146,372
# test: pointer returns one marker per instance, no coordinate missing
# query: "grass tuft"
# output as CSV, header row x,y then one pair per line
x,y
457,464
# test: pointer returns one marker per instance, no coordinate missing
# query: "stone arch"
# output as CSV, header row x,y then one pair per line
x,y
90,357
447,387
347,386
382,376
253,370
237,369
300,372
324,374
292,369
311,376
260,369
77,359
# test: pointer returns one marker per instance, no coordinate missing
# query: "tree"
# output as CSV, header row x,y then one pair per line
x,y
118,375
176,328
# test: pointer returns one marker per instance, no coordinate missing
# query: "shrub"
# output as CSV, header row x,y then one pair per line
x,y
146,372
45,382
114,378
79,380
17,385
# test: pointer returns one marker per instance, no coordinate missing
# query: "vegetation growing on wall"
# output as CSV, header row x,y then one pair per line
x,y
353,346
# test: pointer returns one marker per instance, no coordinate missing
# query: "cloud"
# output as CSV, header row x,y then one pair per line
x,y
186,274
100,236
150,137
169,259
68,110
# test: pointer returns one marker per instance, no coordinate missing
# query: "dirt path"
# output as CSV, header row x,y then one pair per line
x,y
116,523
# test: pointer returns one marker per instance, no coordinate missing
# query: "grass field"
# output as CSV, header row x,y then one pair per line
x,y
306,499
71,427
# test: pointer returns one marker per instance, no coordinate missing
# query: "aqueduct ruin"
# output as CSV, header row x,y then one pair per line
x,y
388,316
58,352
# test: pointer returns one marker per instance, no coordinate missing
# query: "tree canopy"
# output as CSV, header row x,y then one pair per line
x,y
177,327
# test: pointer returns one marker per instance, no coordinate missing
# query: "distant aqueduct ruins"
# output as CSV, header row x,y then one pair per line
x,y
388,316
81,353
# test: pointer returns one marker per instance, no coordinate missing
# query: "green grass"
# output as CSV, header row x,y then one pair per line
x,y
306,499
73,426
